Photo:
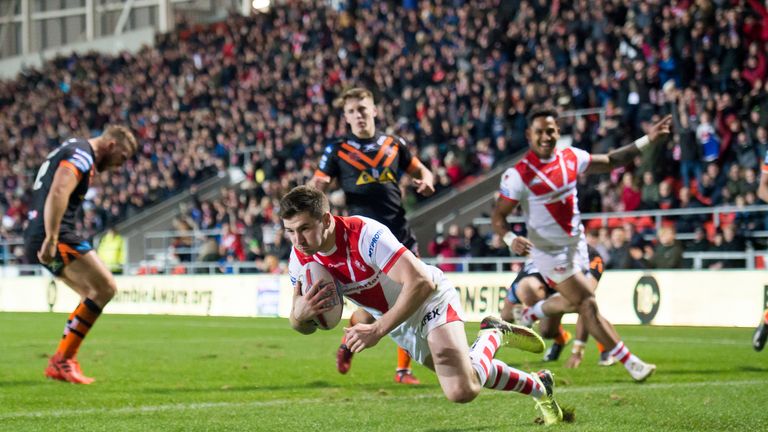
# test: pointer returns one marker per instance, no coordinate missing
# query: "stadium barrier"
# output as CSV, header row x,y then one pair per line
x,y
688,298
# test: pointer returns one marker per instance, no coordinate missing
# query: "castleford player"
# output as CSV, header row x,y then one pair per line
x,y
761,332
51,240
530,288
368,166
544,183
412,302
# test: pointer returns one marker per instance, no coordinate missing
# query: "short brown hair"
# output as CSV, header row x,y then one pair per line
x,y
352,93
304,199
122,135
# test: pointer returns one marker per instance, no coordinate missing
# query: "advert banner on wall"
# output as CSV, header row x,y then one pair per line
x,y
691,298
224,295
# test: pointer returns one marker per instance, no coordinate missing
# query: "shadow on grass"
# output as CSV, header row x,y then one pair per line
x,y
726,371
751,368
383,389
23,383
476,428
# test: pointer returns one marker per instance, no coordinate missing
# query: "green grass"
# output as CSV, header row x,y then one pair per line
x,y
197,373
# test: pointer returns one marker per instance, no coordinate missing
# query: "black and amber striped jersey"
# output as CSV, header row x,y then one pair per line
x,y
369,170
75,155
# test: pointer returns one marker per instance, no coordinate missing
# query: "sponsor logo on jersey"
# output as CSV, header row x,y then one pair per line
x,y
376,176
356,287
360,265
374,240
560,269
370,147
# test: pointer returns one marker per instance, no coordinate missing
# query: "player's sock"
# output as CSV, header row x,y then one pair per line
x,y
482,352
495,374
621,353
506,378
80,322
532,314
765,316
403,360
563,336
600,347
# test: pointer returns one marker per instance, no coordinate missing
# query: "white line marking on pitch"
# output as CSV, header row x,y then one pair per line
x,y
278,402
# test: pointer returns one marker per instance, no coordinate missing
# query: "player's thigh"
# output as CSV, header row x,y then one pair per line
x,y
575,289
451,363
89,272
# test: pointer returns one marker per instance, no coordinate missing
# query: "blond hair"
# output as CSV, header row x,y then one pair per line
x,y
352,93
123,136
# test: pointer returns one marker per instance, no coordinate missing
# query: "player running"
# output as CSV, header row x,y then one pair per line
x,y
51,240
530,288
761,332
544,183
368,166
412,302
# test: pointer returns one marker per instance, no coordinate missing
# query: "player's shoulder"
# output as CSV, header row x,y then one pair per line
x,y
397,139
333,145
359,223
79,152
575,151
513,173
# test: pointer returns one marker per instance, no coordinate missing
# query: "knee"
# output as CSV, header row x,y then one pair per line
x,y
588,306
104,291
463,394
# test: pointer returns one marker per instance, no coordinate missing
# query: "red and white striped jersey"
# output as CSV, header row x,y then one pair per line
x,y
546,190
365,250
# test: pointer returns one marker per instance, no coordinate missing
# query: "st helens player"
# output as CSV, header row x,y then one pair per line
x,y
412,302
544,184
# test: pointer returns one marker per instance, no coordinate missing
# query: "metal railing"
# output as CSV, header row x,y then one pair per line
x,y
658,216
456,264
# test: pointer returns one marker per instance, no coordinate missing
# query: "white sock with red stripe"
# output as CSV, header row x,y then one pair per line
x,y
506,378
533,313
495,374
621,353
482,352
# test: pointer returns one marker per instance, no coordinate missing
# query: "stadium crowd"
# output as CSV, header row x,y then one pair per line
x,y
455,78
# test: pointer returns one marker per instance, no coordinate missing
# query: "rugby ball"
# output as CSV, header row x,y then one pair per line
x,y
310,274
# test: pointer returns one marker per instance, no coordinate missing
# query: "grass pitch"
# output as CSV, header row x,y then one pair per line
x,y
169,373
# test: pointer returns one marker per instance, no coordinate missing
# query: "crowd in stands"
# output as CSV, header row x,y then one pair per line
x,y
455,78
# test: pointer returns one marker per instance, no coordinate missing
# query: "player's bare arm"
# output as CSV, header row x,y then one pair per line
x,y
64,183
762,190
622,156
517,244
422,178
313,303
417,286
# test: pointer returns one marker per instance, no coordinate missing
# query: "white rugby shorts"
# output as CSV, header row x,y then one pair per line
x,y
558,264
443,307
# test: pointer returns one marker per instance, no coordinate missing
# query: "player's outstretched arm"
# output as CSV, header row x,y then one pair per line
x,y
417,286
762,190
422,178
657,134
64,183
